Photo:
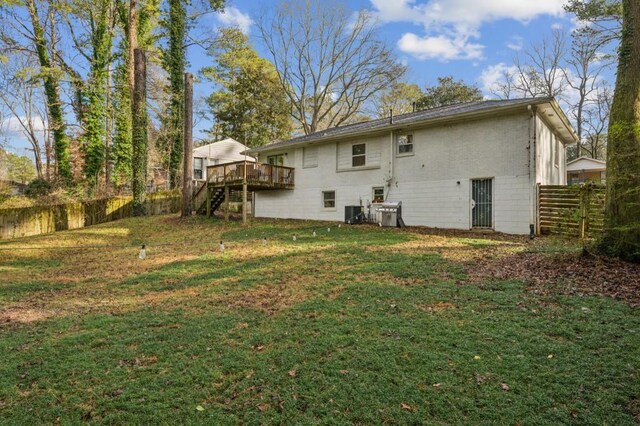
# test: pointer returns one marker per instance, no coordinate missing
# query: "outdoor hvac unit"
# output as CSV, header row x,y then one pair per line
x,y
353,214
391,214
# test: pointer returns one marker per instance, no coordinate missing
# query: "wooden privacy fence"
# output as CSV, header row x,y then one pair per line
x,y
27,221
576,210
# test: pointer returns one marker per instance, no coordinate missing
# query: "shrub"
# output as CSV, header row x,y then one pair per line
x,y
38,188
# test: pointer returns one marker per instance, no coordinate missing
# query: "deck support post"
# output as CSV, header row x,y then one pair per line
x,y
226,203
244,203
208,199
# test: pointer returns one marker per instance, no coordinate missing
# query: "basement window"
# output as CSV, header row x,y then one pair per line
x,y
358,155
378,194
329,199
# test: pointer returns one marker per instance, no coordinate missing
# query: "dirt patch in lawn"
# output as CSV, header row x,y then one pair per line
x,y
23,315
564,273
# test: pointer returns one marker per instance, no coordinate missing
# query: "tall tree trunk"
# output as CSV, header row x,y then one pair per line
x,y
52,93
622,215
175,63
101,40
132,41
139,111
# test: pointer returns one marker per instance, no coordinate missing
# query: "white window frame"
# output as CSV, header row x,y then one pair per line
x,y
202,167
323,200
373,197
354,156
412,144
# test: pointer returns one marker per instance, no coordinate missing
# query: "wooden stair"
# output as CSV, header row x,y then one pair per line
x,y
217,198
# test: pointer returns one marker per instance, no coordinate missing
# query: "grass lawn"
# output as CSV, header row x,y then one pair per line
x,y
357,325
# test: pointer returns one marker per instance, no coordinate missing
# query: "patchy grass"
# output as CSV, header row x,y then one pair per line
x,y
356,325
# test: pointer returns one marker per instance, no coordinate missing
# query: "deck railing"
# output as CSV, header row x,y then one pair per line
x,y
254,174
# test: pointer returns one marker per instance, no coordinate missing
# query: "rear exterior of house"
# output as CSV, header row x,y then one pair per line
x,y
465,166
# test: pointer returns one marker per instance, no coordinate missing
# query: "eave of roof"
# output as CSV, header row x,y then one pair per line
x,y
450,113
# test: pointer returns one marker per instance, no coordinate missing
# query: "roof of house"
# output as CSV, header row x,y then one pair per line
x,y
586,163
225,150
548,106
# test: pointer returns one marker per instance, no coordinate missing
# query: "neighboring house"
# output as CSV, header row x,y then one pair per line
x,y
12,188
585,169
224,151
470,165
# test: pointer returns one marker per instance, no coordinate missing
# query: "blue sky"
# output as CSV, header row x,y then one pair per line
x,y
472,40
463,38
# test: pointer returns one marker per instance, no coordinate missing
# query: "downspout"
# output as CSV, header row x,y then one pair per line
x,y
391,151
534,228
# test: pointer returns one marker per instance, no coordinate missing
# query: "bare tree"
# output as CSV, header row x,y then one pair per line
x,y
21,97
539,71
329,62
596,125
582,74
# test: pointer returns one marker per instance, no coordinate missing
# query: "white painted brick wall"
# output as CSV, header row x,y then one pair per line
x,y
426,182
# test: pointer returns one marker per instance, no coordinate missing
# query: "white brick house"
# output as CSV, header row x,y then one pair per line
x,y
462,166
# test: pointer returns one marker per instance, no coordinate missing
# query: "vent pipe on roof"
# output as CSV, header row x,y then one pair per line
x,y
414,107
391,115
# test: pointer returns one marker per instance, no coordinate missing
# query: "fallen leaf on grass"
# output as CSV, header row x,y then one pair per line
x,y
293,373
437,385
476,357
405,406
550,356
504,386
199,408
574,414
263,406
344,371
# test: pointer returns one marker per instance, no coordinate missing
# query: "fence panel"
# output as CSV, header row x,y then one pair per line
x,y
576,210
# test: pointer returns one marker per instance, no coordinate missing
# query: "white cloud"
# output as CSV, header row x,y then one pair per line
x,y
516,43
455,23
233,17
439,47
493,75
12,126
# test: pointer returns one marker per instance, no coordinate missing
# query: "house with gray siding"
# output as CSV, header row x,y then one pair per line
x,y
463,166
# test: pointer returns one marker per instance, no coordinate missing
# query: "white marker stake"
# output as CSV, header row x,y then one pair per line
x,y
143,253
221,247
294,238
314,233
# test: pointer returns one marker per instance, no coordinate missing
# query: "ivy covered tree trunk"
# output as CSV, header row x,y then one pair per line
x,y
138,23
174,59
95,119
52,94
139,139
622,215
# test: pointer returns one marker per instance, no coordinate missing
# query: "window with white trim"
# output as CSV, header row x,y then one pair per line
x,y
378,194
405,144
329,199
359,155
198,166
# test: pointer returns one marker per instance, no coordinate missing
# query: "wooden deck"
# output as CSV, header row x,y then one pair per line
x,y
257,176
